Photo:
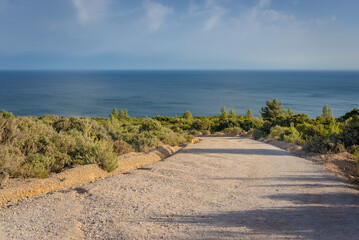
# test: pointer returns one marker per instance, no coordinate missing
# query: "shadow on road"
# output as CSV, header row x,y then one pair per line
x,y
266,152
317,216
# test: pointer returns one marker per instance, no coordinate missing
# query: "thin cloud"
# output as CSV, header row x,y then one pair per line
x,y
210,12
261,15
218,12
90,10
156,14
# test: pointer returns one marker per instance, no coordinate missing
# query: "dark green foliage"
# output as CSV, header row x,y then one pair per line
x,y
272,110
286,121
227,123
251,123
325,145
351,114
202,124
351,135
257,134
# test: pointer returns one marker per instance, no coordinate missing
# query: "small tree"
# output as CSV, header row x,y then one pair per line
x,y
249,114
114,112
327,114
224,113
187,114
232,113
119,114
273,109
123,113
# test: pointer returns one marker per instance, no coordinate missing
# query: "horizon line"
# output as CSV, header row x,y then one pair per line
x,y
174,69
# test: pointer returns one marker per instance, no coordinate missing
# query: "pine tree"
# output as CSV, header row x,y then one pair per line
x,y
224,113
249,114
114,113
327,114
273,109
232,113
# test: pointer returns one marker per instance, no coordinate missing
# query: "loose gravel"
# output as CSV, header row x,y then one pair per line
x,y
220,188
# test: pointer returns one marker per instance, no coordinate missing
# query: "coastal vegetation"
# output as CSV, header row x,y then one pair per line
x,y
36,146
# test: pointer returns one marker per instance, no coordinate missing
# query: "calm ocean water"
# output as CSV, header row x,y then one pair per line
x,y
151,93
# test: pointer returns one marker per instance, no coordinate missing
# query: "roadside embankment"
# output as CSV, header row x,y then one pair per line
x,y
17,189
343,164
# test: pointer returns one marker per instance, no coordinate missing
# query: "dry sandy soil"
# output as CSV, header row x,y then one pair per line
x,y
220,188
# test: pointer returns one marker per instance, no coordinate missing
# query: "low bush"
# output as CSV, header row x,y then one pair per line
x,y
333,144
288,134
257,134
233,131
150,125
351,135
121,147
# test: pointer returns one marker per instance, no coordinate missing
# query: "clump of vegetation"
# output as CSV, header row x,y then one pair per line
x,y
257,134
38,146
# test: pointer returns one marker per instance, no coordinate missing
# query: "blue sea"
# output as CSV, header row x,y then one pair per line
x,y
170,93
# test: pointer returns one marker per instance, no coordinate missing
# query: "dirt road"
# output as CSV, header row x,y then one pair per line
x,y
220,188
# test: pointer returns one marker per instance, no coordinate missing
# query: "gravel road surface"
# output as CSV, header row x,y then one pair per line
x,y
220,188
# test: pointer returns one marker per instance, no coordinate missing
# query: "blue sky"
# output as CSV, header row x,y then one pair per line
x,y
179,34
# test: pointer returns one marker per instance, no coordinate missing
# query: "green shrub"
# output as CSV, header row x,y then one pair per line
x,y
288,134
227,123
333,144
348,115
278,132
354,148
233,130
248,124
257,134
202,124
327,114
351,135
224,113
150,125
98,151
205,133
